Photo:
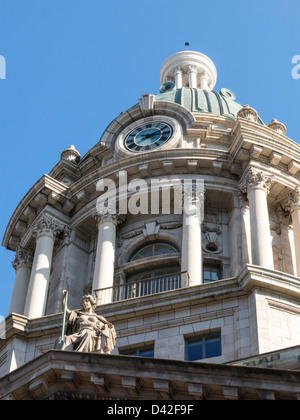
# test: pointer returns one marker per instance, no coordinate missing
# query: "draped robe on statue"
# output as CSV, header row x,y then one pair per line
x,y
87,333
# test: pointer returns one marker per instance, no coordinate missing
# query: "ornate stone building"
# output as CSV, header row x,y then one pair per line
x,y
218,287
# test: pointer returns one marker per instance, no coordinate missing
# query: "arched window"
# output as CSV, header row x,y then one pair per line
x,y
152,250
156,276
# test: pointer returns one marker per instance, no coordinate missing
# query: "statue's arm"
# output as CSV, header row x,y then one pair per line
x,y
104,321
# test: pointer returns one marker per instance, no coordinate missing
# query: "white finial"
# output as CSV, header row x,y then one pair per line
x,y
70,154
278,126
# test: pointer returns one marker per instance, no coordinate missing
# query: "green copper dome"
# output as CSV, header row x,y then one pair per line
x,y
203,101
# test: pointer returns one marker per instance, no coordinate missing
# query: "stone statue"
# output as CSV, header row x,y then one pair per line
x,y
87,331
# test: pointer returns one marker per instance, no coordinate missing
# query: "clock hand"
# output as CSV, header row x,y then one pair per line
x,y
147,136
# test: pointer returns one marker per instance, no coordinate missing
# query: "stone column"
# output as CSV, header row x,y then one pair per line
x,y
294,203
258,186
204,78
193,77
191,260
178,78
105,256
45,231
22,264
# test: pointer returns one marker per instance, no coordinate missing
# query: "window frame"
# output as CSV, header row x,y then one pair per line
x,y
217,267
153,244
138,350
203,338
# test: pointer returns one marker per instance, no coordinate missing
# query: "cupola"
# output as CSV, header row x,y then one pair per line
x,y
189,69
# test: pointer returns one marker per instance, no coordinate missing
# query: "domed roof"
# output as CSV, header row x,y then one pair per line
x,y
202,101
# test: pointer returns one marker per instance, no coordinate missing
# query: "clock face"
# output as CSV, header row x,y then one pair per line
x,y
148,136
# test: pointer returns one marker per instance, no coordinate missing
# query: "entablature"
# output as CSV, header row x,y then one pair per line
x,y
47,191
282,184
252,141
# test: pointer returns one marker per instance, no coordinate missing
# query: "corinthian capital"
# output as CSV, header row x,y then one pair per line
x,y
192,69
102,216
178,70
257,180
23,258
47,226
294,200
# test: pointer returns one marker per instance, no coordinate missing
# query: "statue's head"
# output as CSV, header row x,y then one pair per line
x,y
88,302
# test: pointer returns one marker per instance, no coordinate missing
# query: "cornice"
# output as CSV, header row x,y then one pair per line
x,y
254,277
64,166
58,374
133,164
36,197
277,174
247,133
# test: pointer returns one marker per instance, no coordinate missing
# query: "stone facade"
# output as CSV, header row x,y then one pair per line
x,y
234,273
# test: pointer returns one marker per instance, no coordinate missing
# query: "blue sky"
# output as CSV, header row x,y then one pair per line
x,y
73,66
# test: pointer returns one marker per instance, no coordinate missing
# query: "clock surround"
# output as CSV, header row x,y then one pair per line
x,y
149,134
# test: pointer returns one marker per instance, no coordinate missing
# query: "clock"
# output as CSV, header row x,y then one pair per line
x,y
148,136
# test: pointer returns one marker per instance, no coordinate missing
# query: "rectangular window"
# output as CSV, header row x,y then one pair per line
x,y
147,351
211,273
204,347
